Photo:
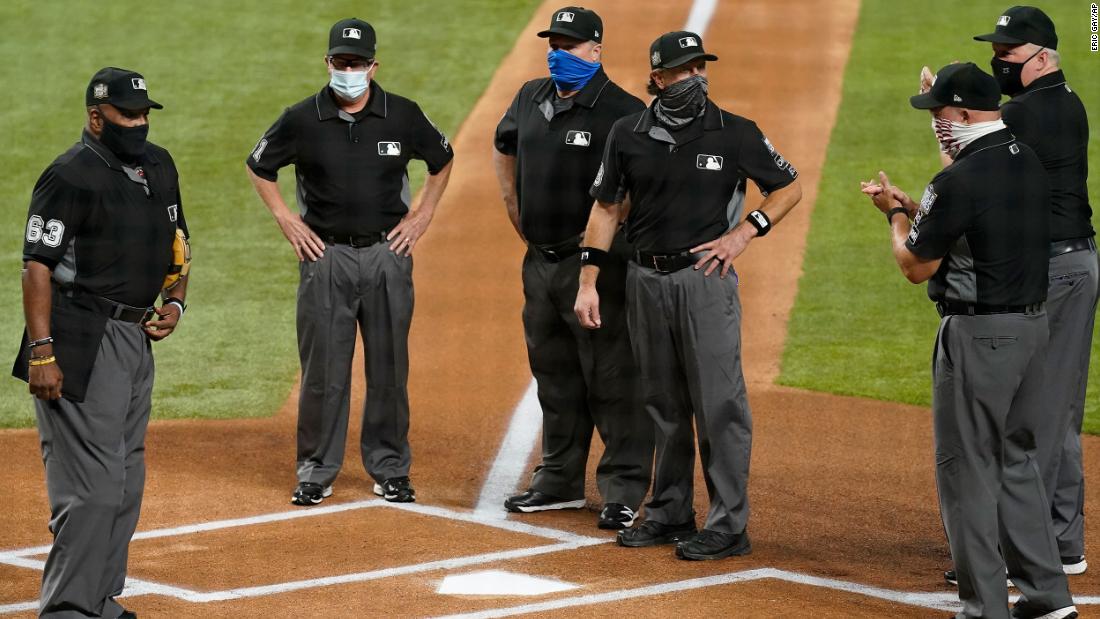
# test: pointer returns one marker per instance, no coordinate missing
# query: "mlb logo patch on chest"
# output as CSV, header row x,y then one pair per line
x,y
709,162
578,138
389,149
173,212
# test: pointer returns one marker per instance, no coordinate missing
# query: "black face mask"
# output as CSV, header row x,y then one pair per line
x,y
682,102
1009,74
127,143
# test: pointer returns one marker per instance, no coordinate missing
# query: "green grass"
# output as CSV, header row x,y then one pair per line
x,y
858,328
224,72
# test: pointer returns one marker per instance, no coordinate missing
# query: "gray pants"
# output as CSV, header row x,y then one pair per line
x,y
686,333
370,288
94,452
585,378
1071,306
987,404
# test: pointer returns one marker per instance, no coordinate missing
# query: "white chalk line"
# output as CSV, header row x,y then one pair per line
x,y
511,460
699,18
134,587
942,601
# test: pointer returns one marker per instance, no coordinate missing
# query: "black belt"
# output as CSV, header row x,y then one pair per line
x,y
556,252
126,313
356,240
960,308
665,263
107,307
1057,248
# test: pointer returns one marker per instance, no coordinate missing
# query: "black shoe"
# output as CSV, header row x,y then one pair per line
x,y
128,614
616,516
535,501
309,493
396,490
1074,565
652,533
1025,610
708,544
953,579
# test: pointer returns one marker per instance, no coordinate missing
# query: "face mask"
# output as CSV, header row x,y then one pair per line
x,y
682,102
953,136
1010,74
127,143
568,71
349,85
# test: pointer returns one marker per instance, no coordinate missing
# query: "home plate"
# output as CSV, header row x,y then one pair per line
x,y
497,582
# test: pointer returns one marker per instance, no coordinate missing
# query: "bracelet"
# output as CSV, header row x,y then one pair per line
x,y
38,361
759,220
42,342
593,256
177,302
894,211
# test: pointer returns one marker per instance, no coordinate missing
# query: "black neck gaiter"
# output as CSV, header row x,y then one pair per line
x,y
682,102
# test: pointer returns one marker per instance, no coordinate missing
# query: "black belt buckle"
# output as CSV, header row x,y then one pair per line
x,y
549,254
150,313
664,264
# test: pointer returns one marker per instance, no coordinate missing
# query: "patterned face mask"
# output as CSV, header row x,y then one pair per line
x,y
682,102
953,136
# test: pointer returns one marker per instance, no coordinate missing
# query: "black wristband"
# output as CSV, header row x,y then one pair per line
x,y
759,220
178,302
593,256
894,211
42,342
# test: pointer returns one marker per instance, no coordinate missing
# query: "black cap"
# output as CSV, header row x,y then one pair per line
x,y
351,36
1023,24
673,49
961,84
577,22
121,88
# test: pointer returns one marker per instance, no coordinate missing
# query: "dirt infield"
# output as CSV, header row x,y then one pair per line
x,y
844,506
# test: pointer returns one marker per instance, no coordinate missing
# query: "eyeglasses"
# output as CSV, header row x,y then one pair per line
x,y
355,64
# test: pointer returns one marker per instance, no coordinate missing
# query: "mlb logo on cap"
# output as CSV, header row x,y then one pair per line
x,y
565,16
957,99
138,83
1003,20
353,33
689,42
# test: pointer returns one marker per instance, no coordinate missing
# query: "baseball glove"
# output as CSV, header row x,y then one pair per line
x,y
181,261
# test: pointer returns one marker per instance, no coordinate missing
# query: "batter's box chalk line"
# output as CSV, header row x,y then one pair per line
x,y
561,541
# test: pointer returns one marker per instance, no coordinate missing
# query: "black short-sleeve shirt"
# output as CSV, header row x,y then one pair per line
x,y
1050,118
104,227
987,216
686,187
352,171
558,144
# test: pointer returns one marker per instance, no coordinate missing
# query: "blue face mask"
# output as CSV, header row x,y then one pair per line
x,y
349,85
568,71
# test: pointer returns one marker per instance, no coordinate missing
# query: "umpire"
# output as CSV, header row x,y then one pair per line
x,y
99,237
980,238
682,164
351,144
548,147
1047,115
